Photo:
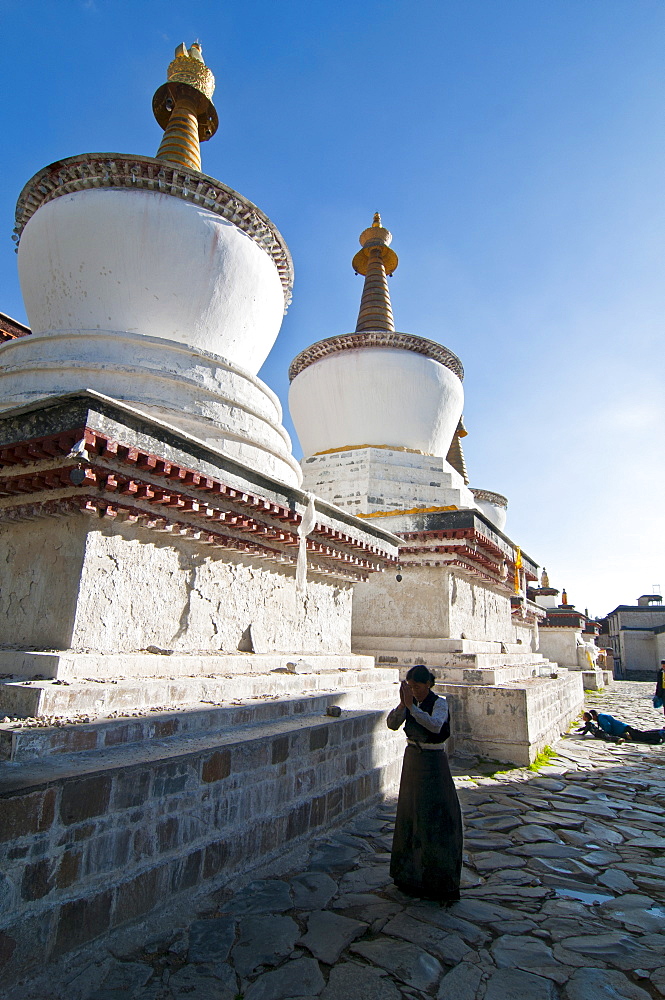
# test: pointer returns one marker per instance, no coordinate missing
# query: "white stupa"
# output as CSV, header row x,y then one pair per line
x,y
179,333
378,413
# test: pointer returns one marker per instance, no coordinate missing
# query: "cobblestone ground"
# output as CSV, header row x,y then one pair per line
x,y
563,898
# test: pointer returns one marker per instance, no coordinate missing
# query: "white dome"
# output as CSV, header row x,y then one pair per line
x,y
139,261
376,396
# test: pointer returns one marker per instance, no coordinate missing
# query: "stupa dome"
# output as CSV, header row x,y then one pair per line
x,y
151,282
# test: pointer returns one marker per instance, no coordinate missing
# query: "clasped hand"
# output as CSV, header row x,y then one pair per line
x,y
405,695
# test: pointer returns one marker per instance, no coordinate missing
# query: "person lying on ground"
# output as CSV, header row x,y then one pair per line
x,y
605,727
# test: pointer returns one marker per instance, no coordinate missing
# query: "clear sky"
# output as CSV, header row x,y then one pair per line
x,y
514,149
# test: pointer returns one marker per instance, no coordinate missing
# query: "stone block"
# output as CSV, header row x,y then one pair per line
x,y
298,821
216,767
318,737
280,749
131,788
167,834
139,895
84,797
215,858
82,920
170,779
22,815
68,869
186,872
37,880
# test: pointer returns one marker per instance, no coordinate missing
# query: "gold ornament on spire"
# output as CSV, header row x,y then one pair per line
x,y
184,109
376,261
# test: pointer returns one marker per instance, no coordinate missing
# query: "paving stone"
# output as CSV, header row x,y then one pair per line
x,y
515,927
410,964
658,980
367,877
443,918
487,861
563,866
533,833
333,857
450,948
547,784
299,978
496,823
602,984
461,983
638,919
557,819
195,983
351,981
528,954
123,978
211,940
482,840
262,896
630,900
617,948
545,850
604,834
514,984
328,934
312,890
480,912
263,940
600,858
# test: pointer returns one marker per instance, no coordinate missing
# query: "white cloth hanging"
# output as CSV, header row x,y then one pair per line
x,y
305,528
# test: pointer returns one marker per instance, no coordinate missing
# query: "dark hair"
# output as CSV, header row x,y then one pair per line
x,y
593,713
421,675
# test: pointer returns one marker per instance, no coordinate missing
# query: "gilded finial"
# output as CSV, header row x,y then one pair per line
x,y
184,109
376,261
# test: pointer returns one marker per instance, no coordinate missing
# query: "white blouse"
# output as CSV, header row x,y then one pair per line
x,y
432,722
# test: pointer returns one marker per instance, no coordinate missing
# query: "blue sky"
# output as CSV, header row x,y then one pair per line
x,y
514,149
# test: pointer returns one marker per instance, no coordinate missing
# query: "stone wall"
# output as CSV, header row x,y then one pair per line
x,y
430,602
117,587
88,845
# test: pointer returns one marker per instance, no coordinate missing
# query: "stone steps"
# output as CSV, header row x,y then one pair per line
x,y
124,829
23,697
30,743
70,665
376,645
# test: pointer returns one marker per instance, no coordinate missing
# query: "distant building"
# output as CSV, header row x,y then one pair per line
x,y
636,635
11,329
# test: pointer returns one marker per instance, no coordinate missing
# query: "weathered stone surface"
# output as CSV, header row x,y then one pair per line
x,y
658,980
602,984
333,857
263,896
528,954
601,833
481,912
450,948
351,981
534,833
408,963
616,948
313,890
211,940
300,978
328,934
367,877
513,984
196,983
480,840
461,983
263,940
499,823
443,918
124,978
487,861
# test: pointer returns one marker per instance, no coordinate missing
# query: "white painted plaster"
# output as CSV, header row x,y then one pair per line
x,y
120,588
148,263
376,396
204,395
494,513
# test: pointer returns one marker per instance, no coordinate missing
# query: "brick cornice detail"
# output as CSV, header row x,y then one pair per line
x,y
376,338
135,173
115,480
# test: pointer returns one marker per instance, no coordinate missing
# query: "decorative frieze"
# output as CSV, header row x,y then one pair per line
x,y
489,497
82,470
376,338
99,170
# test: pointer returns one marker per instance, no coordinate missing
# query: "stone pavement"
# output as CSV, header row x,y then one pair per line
x,y
563,899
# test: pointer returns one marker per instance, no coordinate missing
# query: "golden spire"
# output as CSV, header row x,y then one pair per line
x,y
184,109
376,261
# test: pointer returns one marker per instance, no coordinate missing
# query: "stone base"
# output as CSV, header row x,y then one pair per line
x,y
101,824
507,703
366,480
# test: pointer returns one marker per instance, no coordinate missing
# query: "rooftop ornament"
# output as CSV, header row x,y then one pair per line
x,y
183,108
377,262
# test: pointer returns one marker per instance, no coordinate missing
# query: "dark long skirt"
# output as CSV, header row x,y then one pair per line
x,y
426,858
